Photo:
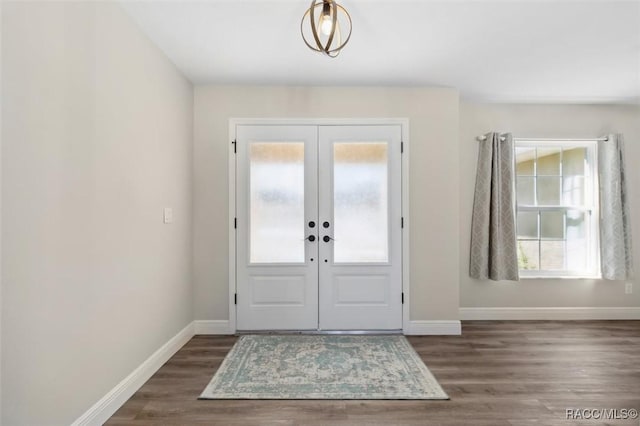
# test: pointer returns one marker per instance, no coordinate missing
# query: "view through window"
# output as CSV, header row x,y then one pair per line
x,y
556,193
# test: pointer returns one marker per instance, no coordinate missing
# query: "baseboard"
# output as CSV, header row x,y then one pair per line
x,y
569,313
116,397
212,327
436,327
102,410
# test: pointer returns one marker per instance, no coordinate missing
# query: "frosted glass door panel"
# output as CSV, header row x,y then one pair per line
x,y
360,217
276,186
360,202
277,202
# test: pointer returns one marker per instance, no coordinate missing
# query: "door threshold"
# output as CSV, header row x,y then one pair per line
x,y
314,332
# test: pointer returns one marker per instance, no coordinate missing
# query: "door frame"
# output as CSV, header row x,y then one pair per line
x,y
232,176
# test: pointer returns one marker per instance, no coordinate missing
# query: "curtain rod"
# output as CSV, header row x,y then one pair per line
x,y
484,138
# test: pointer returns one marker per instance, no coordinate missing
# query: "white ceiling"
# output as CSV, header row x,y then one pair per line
x,y
500,51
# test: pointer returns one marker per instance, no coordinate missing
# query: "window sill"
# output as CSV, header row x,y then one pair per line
x,y
563,277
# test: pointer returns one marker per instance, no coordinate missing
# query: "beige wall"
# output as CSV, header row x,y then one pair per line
x,y
433,115
97,130
546,121
1,259
1,97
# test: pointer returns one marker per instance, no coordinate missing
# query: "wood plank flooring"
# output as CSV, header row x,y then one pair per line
x,y
497,374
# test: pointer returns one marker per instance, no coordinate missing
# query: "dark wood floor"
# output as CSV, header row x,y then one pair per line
x,y
496,373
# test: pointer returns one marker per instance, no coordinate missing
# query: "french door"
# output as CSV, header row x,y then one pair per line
x,y
319,227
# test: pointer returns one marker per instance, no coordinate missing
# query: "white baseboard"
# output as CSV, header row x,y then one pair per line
x,y
100,412
438,327
570,313
212,327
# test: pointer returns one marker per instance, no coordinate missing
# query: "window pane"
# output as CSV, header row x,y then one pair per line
x,y
549,191
577,245
528,255
554,238
360,202
573,190
525,190
548,161
525,158
577,255
551,255
573,161
276,202
576,225
527,224
552,224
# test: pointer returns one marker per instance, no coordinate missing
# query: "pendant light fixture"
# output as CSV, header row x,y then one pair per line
x,y
324,26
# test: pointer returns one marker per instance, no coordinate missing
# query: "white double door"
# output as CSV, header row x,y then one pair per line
x,y
318,227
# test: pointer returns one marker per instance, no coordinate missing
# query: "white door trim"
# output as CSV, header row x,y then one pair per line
x,y
403,122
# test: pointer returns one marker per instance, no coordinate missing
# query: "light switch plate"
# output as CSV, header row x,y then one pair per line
x,y
628,288
168,215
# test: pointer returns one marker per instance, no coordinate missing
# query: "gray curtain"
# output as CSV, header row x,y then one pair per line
x,y
494,253
615,228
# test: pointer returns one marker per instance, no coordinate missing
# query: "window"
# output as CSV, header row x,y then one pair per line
x,y
557,208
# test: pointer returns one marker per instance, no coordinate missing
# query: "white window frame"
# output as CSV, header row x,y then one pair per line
x,y
594,210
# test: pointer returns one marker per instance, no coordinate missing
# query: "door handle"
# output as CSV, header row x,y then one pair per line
x,y
327,238
311,238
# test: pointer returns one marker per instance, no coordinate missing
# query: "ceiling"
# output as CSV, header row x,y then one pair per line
x,y
493,51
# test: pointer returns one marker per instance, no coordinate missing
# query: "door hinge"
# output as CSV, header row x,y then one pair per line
x,y
235,223
234,146
403,298
402,222
235,299
401,147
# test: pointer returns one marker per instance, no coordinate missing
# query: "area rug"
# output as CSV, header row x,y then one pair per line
x,y
323,367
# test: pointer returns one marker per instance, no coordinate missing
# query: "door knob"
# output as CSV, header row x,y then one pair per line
x,y
326,224
312,224
311,238
327,238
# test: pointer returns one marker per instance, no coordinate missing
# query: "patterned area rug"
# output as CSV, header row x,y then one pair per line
x,y
323,367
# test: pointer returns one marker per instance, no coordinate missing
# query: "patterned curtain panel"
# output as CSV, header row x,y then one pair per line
x,y
615,227
493,229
